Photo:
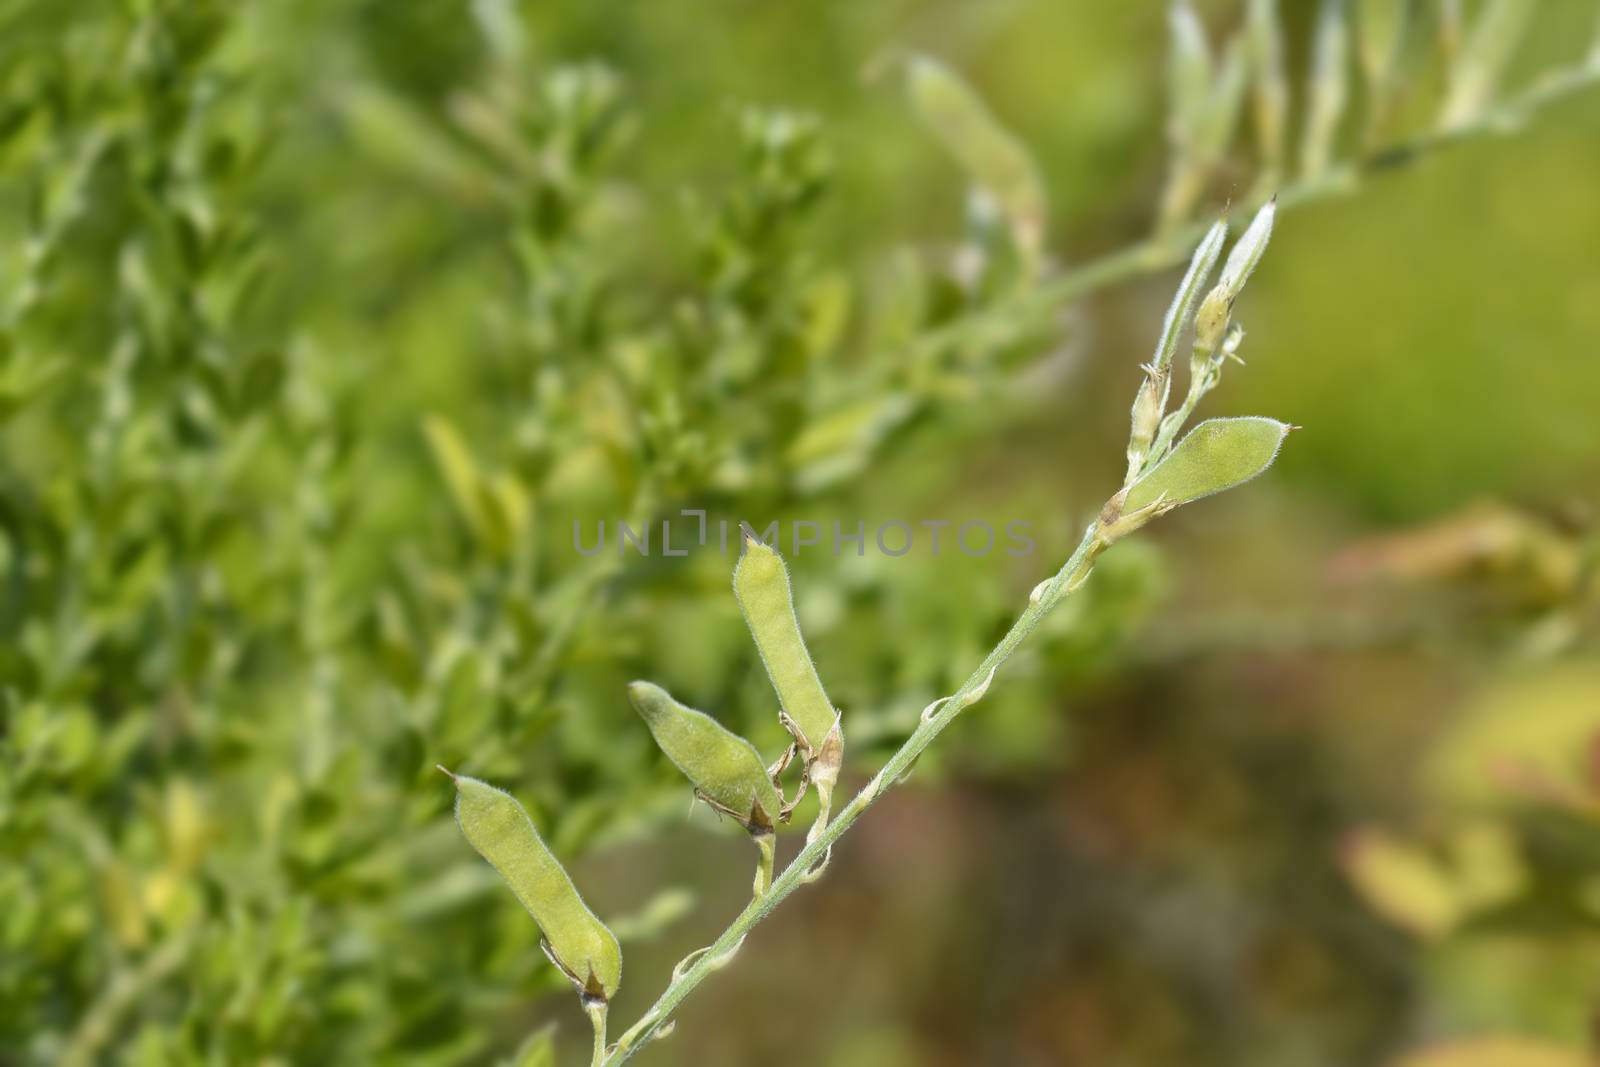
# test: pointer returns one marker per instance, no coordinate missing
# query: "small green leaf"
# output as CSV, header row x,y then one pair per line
x,y
499,828
1216,455
539,1050
726,770
761,585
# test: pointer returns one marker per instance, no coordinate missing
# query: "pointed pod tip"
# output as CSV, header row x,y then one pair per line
x,y
650,701
446,771
751,541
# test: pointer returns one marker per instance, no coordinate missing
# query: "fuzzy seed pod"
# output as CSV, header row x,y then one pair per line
x,y
726,770
761,585
576,941
993,156
1211,321
1218,454
1247,251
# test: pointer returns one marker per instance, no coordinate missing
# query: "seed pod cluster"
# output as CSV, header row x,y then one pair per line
x,y
576,941
726,770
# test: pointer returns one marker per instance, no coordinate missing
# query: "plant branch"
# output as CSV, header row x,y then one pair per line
x,y
1171,247
1142,258
795,874
597,1015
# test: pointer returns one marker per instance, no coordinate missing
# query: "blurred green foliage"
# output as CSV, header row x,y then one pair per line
x,y
321,323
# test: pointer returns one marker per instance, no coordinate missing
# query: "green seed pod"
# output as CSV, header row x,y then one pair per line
x,y
1330,89
1218,454
1484,56
1145,417
1211,321
577,942
1271,87
992,156
1182,306
1190,72
761,585
726,769
1248,250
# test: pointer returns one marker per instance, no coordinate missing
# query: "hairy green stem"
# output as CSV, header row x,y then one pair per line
x,y
767,843
597,1015
795,874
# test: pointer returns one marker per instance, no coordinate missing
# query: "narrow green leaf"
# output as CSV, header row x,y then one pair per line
x,y
761,585
726,770
993,157
461,475
1218,454
499,828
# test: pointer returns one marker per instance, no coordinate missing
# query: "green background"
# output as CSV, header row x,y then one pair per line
x,y
246,610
